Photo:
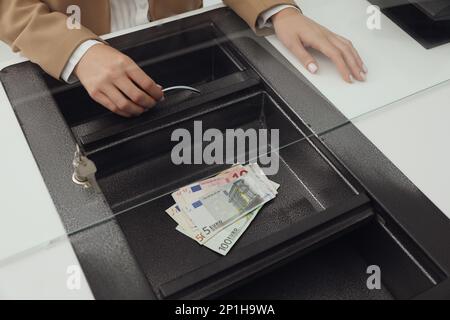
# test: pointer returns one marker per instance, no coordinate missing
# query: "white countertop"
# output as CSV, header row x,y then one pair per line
x,y
398,65
413,133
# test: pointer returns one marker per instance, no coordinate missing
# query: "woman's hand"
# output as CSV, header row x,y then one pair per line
x,y
298,33
116,81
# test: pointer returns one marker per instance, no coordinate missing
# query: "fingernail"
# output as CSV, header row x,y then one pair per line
x,y
363,76
159,86
312,67
365,69
352,80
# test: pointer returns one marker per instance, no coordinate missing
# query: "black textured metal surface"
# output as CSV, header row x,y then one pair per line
x,y
109,265
103,252
52,145
403,201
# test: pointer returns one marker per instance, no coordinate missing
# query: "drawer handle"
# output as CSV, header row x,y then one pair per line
x,y
181,88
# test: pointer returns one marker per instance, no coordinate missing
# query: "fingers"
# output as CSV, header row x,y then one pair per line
x,y
297,32
115,81
335,55
135,94
355,52
121,102
349,57
146,83
101,98
303,55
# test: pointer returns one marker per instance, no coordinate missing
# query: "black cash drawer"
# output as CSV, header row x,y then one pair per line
x,y
136,173
329,188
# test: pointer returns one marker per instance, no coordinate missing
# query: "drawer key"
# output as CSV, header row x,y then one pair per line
x,y
84,171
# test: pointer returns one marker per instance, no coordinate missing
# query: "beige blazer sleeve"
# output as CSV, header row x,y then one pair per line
x,y
250,10
42,36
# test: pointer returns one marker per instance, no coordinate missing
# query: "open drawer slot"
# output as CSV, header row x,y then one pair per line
x,y
373,262
196,57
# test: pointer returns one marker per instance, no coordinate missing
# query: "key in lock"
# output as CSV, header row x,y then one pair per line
x,y
84,171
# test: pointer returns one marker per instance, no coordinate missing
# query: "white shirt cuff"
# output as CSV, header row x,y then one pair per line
x,y
67,74
264,20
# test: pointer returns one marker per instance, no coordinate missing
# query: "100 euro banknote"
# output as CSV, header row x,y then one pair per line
x,y
225,240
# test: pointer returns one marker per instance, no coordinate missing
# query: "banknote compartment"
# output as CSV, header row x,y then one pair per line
x,y
137,176
134,161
